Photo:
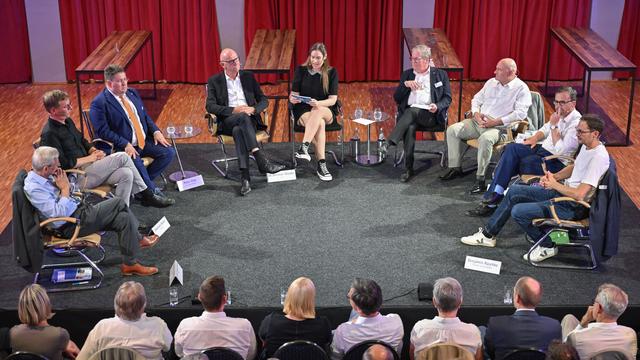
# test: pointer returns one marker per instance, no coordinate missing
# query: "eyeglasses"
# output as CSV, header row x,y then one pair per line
x,y
229,62
561,102
67,106
582,132
416,59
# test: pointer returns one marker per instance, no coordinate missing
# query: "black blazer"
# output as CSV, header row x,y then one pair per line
x,y
441,95
523,329
218,97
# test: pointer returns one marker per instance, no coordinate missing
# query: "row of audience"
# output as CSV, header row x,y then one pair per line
x,y
597,330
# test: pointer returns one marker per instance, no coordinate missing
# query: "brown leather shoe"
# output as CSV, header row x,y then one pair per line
x,y
148,241
137,269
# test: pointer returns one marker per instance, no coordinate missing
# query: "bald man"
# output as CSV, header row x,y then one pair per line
x,y
235,97
503,99
525,328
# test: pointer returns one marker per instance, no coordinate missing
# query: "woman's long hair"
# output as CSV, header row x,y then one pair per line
x,y
324,70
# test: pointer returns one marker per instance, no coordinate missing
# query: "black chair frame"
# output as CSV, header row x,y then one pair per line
x,y
336,125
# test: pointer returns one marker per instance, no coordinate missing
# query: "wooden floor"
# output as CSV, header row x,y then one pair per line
x,y
22,117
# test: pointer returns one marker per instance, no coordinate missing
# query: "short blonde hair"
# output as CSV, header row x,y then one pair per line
x,y
34,305
130,300
301,299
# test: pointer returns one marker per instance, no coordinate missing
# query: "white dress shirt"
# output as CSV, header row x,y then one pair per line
x,y
445,330
235,91
134,138
211,329
568,142
510,102
387,328
599,336
421,98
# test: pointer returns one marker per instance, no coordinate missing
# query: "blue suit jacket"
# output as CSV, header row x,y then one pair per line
x,y
523,329
111,123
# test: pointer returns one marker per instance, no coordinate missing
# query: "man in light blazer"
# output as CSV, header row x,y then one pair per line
x,y
118,116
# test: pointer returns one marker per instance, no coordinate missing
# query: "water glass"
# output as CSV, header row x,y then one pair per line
x,y
377,114
357,114
188,129
171,130
283,295
229,296
508,299
173,296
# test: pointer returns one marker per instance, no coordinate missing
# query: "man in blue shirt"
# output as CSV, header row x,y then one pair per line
x,y
47,188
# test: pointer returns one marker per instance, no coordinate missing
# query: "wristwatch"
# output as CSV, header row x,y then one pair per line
x,y
553,127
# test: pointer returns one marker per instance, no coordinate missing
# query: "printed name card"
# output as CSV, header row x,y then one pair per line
x,y
175,274
161,226
283,175
190,183
482,265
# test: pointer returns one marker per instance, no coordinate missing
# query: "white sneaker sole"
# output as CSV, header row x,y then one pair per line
x,y
303,157
325,177
478,243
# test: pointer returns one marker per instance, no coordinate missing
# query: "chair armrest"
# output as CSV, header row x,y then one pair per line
x,y
212,123
569,159
564,199
99,140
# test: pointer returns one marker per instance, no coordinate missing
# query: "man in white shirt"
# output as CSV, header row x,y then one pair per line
x,y
365,297
213,328
558,137
525,203
598,329
503,99
130,328
446,327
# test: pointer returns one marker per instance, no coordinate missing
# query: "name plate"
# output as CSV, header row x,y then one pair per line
x,y
190,183
283,175
482,265
161,226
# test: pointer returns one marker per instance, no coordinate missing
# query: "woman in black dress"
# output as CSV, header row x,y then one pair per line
x,y
317,82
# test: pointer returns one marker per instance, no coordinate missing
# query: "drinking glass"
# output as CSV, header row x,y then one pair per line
x,y
508,299
173,296
377,114
229,296
283,295
188,129
357,114
171,130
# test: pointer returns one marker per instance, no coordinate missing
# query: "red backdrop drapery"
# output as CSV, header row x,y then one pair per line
x,y
362,36
482,32
185,35
629,39
14,38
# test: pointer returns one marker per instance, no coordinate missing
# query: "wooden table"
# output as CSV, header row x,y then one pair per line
x,y
119,48
595,54
442,53
272,53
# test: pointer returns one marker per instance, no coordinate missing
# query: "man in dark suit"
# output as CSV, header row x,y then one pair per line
x,y
118,116
235,97
525,328
423,97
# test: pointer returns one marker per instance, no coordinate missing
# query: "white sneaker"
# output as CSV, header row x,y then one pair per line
x,y
540,253
323,172
303,152
478,239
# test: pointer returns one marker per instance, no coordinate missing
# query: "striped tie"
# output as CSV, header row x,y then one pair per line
x,y
136,124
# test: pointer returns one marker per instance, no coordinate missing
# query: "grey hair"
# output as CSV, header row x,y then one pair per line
x,y
377,352
130,301
424,50
43,156
573,94
111,70
613,300
447,294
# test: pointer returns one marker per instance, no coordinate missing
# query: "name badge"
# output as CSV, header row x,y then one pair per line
x,y
438,84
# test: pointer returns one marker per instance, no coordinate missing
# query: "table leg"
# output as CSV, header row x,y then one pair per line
x,y
369,141
460,96
586,99
546,78
79,103
153,71
633,82
180,175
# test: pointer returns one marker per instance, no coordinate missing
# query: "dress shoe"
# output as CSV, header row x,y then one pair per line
x,y
494,199
482,211
137,269
479,188
149,241
265,165
143,228
408,174
451,174
158,201
245,188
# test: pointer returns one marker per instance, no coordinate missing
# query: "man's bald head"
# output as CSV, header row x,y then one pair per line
x,y
506,70
529,291
377,352
230,62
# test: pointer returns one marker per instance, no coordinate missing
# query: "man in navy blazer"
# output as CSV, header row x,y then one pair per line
x,y
118,116
525,328
423,97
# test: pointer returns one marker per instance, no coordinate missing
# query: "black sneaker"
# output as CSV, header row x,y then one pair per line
x,y
303,152
323,172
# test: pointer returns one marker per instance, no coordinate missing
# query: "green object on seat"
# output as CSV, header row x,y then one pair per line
x,y
560,236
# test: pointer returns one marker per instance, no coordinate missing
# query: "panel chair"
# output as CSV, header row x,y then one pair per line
x,y
336,125
525,354
433,130
612,355
117,353
300,349
577,233
25,355
357,350
447,351
32,240
221,353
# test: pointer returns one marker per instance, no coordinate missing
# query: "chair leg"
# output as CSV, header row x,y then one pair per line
x,y
224,160
594,263
98,273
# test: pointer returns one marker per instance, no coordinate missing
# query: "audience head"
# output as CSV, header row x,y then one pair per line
x,y
116,79
589,129
610,303
230,62
34,306
44,160
317,61
561,351
212,293
57,104
377,352
420,57
300,300
447,295
527,292
565,100
506,70
130,301
365,296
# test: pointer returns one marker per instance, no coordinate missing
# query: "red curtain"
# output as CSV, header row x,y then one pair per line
x,y
14,38
185,35
362,36
484,31
629,39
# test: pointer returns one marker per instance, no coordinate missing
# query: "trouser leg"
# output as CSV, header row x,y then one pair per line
x,y
486,140
456,133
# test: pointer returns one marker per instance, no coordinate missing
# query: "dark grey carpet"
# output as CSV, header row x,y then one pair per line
x,y
364,223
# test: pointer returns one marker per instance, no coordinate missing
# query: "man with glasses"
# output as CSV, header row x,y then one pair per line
x,y
235,97
423,97
525,203
556,137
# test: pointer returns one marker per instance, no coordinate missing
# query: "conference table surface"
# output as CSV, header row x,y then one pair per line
x,y
272,53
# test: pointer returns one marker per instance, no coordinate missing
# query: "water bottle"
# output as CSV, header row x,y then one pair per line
x,y
173,296
380,142
355,144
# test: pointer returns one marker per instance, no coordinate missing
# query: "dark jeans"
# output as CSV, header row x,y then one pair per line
x,y
162,157
241,127
406,130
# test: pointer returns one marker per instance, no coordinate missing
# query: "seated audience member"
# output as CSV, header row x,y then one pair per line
x,y
235,97
130,328
377,352
298,320
213,327
47,188
561,351
118,116
35,335
5,342
503,99
598,329
423,97
558,137
75,152
365,297
446,327
525,203
525,328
